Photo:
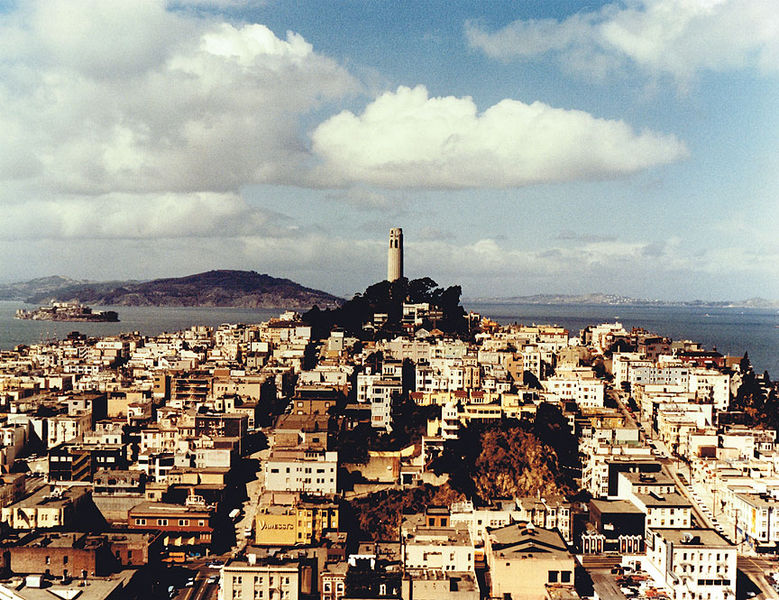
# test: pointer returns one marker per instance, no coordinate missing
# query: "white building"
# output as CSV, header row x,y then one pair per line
x,y
67,428
307,471
708,384
697,564
250,579
601,335
579,385
431,541
379,391
757,518
667,373
664,510
595,468
477,520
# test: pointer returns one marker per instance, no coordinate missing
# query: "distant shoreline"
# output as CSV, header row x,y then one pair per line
x,y
757,303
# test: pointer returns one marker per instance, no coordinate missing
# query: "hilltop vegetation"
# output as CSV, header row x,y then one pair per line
x,y
388,298
513,458
502,460
757,398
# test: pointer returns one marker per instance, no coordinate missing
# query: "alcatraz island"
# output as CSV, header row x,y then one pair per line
x,y
67,311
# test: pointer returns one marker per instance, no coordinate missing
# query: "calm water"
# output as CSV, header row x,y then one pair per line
x,y
148,320
731,331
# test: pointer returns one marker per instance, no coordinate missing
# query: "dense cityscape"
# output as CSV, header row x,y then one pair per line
x,y
393,447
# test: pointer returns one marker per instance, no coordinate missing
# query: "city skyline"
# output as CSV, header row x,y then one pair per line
x,y
547,147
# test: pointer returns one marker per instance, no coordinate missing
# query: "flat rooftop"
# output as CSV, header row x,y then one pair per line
x,y
674,500
605,507
701,538
659,478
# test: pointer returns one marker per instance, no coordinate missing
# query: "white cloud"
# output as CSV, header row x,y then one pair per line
x,y
674,37
407,139
106,96
133,216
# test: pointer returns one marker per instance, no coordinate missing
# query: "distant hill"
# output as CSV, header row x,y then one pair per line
x,y
22,290
240,289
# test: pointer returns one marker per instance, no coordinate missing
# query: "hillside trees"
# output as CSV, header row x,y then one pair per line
x,y
512,458
388,297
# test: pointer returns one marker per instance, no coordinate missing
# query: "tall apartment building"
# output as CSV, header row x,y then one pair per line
x,y
379,390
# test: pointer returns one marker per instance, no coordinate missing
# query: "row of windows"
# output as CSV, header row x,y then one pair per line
x,y
559,576
165,522
302,469
703,556
260,579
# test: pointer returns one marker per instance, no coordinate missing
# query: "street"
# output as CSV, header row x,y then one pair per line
x,y
703,508
206,570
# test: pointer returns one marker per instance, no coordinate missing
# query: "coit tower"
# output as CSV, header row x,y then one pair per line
x,y
395,254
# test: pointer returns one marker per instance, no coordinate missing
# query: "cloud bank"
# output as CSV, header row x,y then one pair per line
x,y
109,97
113,96
408,139
135,216
662,37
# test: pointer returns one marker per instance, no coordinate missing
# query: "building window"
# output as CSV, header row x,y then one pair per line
x,y
552,578
162,522
565,577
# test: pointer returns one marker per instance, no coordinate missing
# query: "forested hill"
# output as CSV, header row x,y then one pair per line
x,y
225,288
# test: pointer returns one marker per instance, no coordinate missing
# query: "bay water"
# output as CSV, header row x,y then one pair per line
x,y
731,330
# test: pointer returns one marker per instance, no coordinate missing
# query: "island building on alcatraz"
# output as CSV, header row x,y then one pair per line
x,y
395,254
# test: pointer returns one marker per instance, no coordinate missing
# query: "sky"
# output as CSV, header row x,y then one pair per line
x,y
525,147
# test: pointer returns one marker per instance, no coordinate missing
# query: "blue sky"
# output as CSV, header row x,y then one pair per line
x,y
524,147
